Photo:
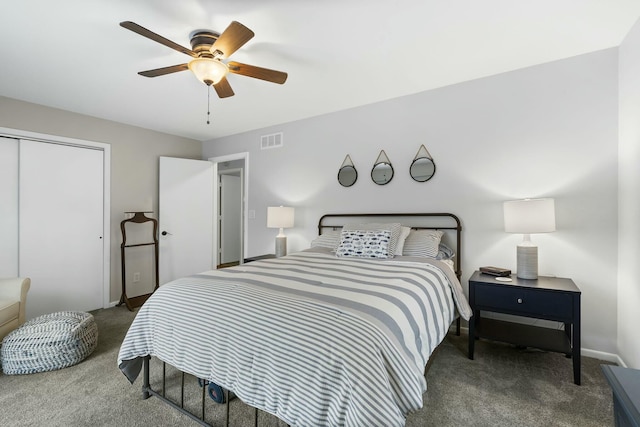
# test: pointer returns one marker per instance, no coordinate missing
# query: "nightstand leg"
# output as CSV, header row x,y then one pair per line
x,y
576,353
472,332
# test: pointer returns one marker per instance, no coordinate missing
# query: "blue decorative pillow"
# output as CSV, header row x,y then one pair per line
x,y
445,252
394,228
364,243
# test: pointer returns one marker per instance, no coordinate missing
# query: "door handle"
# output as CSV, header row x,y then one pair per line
x,y
164,233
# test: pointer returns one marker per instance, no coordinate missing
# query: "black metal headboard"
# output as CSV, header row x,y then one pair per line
x,y
447,222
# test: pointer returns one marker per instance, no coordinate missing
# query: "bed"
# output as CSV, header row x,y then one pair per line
x,y
329,336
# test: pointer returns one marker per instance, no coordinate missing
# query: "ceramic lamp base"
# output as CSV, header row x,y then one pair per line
x,y
527,262
281,246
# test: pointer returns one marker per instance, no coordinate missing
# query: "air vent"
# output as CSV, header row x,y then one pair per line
x,y
273,140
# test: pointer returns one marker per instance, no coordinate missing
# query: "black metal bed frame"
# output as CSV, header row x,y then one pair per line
x,y
147,392
325,222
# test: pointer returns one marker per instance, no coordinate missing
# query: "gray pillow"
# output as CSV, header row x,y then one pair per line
x,y
328,239
423,243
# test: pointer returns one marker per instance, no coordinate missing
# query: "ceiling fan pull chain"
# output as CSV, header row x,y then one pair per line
x,y
208,102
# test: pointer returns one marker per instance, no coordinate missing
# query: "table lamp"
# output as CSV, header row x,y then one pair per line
x,y
280,217
529,216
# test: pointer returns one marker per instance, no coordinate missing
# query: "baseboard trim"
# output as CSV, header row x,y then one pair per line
x,y
601,355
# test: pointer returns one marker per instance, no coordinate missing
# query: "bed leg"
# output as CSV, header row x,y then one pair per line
x,y
182,392
255,417
226,399
458,326
204,388
164,378
145,384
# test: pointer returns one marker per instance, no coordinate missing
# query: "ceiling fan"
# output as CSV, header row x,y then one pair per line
x,y
208,49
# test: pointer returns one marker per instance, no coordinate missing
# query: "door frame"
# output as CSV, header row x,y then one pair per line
x,y
245,195
106,215
233,172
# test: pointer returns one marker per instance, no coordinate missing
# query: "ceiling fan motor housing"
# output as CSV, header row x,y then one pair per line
x,y
201,41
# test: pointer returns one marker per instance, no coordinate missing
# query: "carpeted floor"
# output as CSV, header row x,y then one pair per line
x,y
503,386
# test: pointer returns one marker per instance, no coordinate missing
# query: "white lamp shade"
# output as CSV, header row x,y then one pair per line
x,y
529,216
279,217
209,71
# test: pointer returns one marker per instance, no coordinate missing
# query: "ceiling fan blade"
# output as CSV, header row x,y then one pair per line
x,y
164,70
232,39
257,72
223,88
156,38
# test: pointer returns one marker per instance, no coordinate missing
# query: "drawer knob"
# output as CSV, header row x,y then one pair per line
x,y
519,300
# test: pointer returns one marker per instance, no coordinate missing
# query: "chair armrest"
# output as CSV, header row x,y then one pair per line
x,y
14,288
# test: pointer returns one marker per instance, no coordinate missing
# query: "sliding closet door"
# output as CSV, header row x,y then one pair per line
x,y
61,225
8,207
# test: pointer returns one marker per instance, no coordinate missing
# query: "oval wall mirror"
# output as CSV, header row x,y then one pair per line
x,y
347,174
423,167
382,172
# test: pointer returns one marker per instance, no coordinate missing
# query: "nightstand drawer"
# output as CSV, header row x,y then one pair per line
x,y
534,302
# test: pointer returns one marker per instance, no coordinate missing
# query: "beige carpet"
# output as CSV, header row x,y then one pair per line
x,y
503,386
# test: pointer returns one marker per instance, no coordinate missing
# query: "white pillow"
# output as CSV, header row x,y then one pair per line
x,y
422,243
394,228
404,232
328,239
364,244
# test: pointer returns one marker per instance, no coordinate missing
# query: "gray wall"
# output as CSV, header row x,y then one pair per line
x,y
134,168
544,131
629,201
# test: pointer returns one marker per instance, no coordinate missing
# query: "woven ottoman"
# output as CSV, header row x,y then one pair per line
x,y
49,342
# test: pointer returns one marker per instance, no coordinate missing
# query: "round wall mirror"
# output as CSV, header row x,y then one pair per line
x,y
347,176
423,167
382,171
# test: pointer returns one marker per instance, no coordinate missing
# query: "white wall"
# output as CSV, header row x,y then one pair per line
x,y
629,201
134,168
548,130
8,207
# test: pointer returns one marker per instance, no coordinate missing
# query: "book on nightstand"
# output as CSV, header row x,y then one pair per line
x,y
495,271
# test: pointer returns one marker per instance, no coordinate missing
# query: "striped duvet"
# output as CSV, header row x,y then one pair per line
x,y
314,339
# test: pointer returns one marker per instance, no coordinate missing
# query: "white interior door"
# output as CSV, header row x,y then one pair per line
x,y
61,198
186,217
230,217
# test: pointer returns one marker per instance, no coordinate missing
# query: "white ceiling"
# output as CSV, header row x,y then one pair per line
x,y
73,55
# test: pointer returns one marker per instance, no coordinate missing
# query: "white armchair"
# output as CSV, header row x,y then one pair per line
x,y
13,300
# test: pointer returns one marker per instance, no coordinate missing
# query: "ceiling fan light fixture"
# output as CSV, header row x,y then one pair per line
x,y
208,70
